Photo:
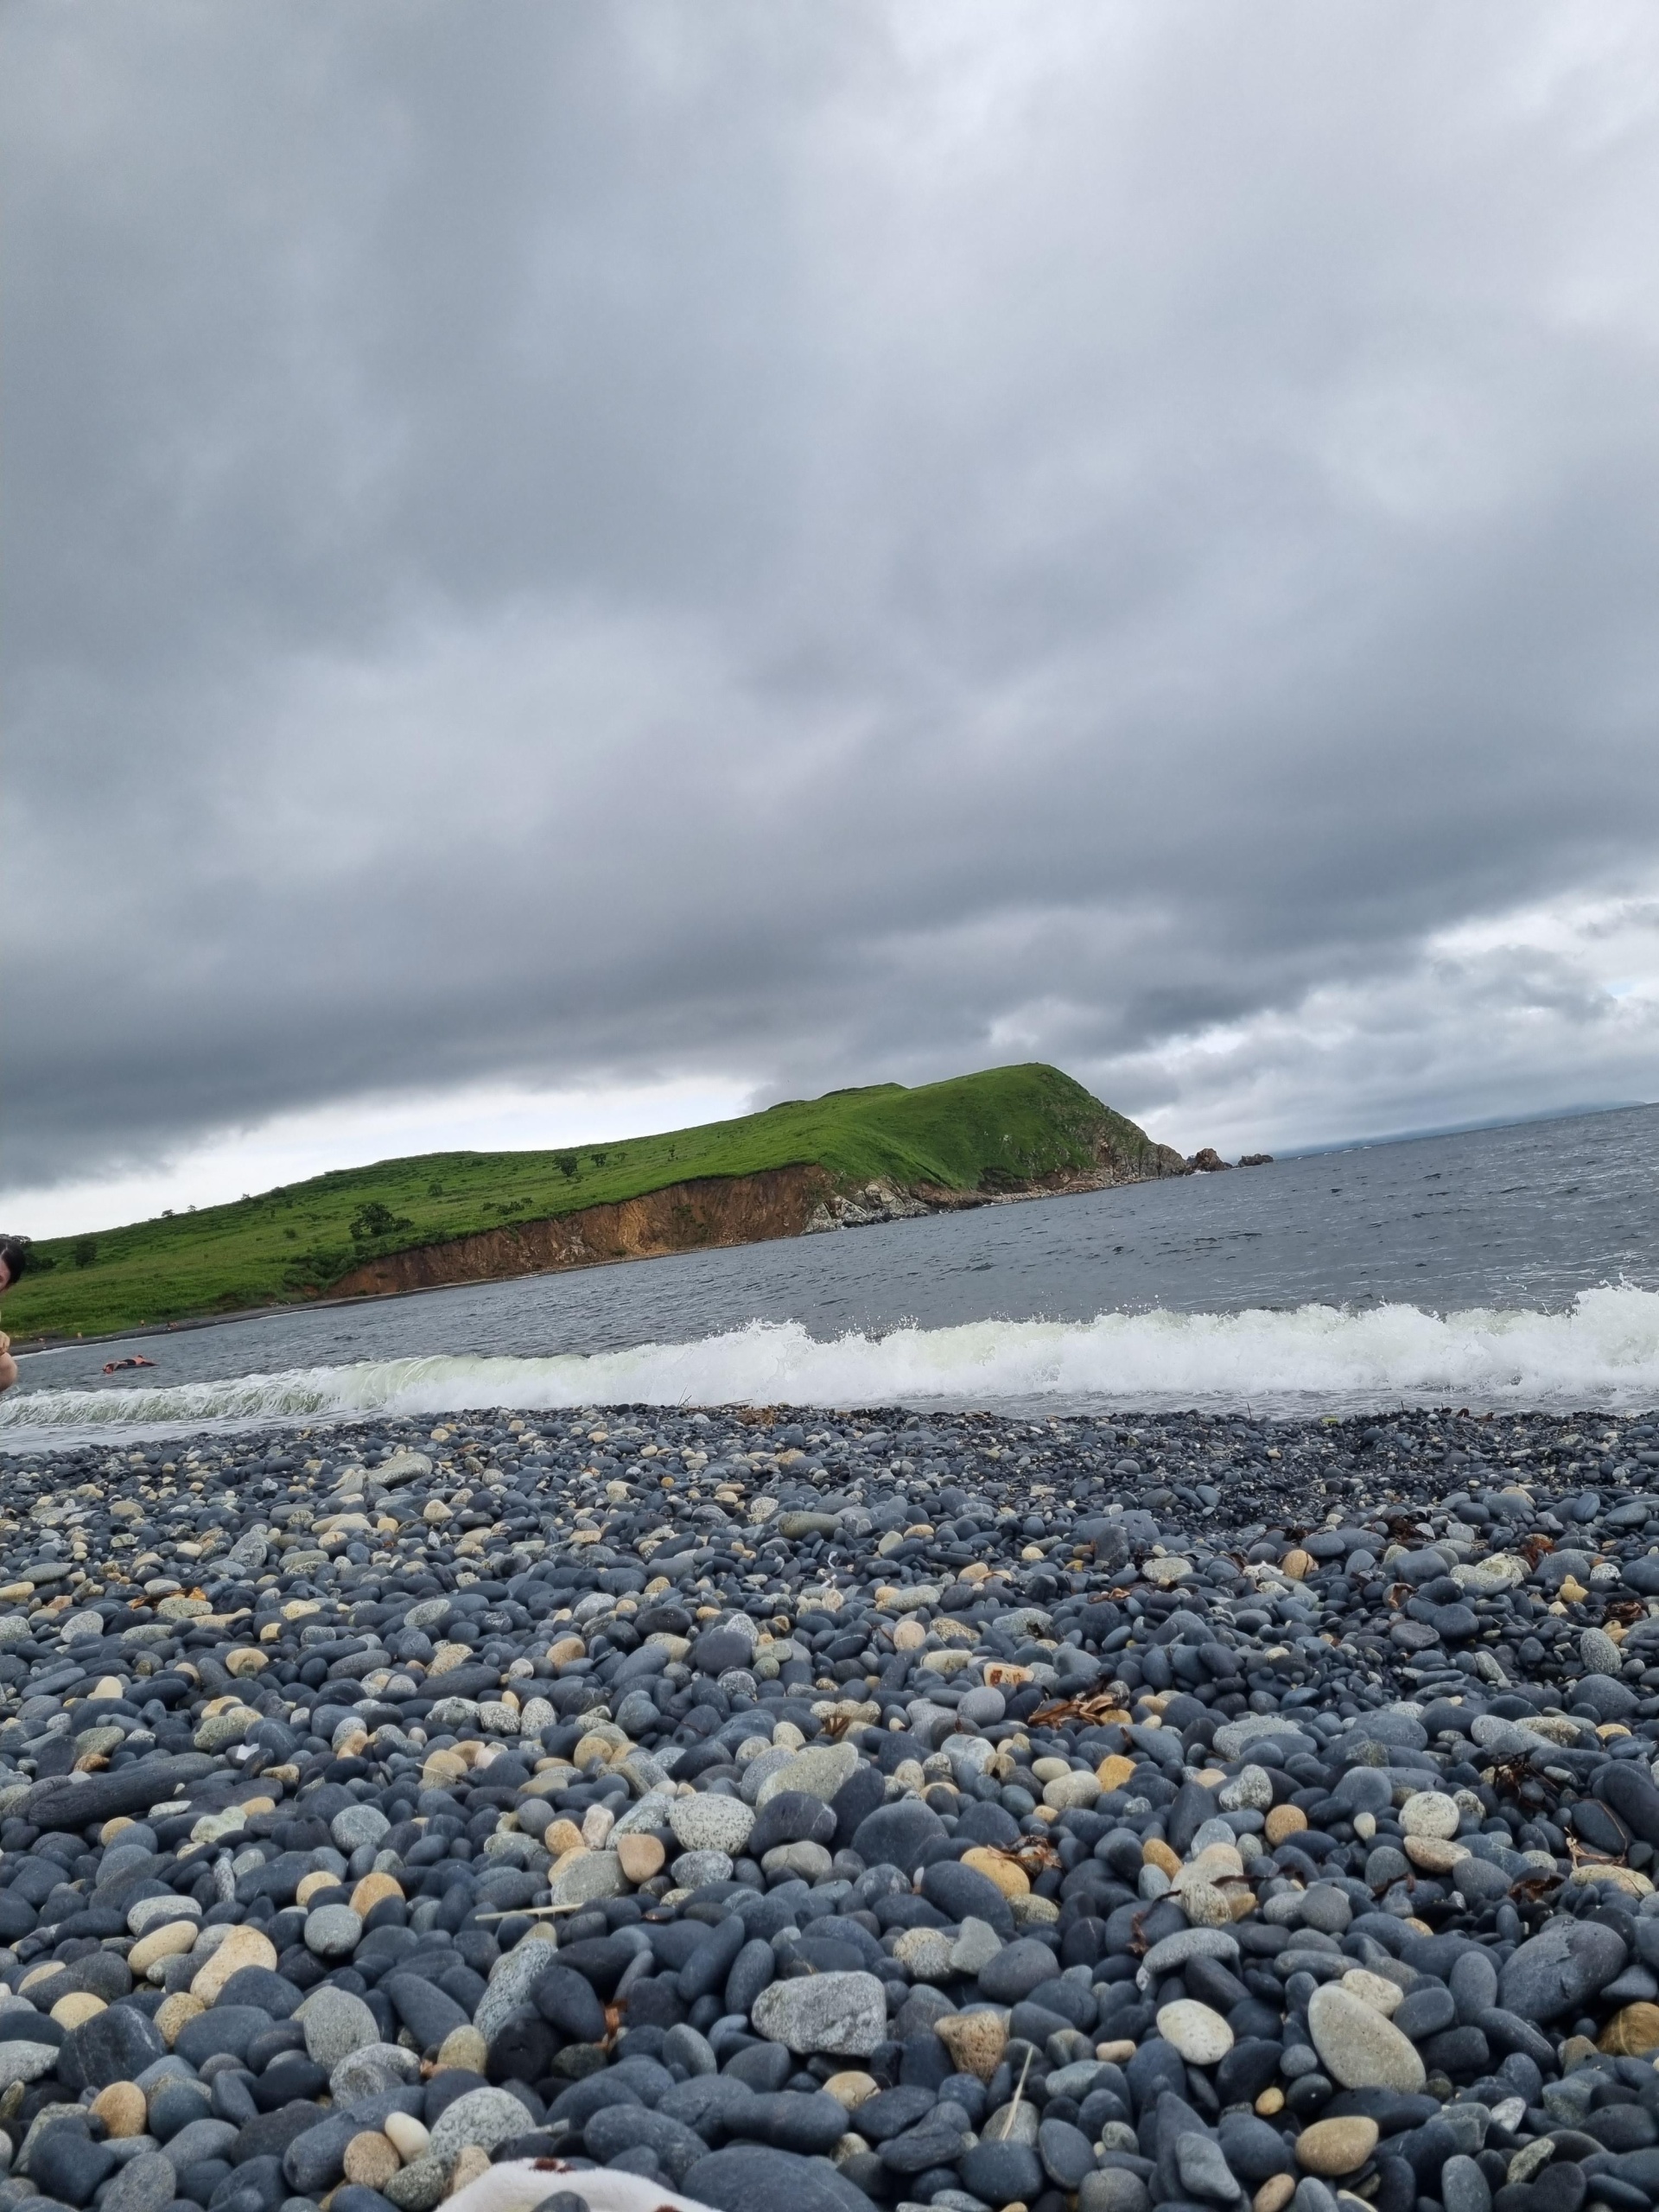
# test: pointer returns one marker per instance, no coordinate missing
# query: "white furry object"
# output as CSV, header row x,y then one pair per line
x,y
519,2184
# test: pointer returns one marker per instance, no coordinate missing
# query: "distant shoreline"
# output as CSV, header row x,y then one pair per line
x,y
24,1347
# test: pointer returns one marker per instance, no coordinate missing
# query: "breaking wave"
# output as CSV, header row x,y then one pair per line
x,y
1601,1352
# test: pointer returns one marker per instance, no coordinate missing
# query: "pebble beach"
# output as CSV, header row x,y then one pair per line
x,y
819,1810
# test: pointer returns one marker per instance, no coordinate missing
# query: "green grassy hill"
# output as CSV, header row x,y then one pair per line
x,y
999,1130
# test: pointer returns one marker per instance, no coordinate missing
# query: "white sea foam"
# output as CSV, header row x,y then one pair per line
x,y
1604,1351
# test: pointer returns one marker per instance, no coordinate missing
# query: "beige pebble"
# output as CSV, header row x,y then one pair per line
x,y
371,2159
909,1635
1633,2032
312,1883
1271,2101
1116,2053
1283,1821
470,2165
1114,1771
1331,2147
122,2109
407,2136
1154,1852
463,2047
1278,2188
373,1889
975,2040
562,1835
172,2012
80,2005
640,1856
1434,1854
1012,1880
1374,1989
170,1941
1297,1564
851,2088
244,1946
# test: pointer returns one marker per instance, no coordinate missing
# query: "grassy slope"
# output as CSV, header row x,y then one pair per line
x,y
1004,1125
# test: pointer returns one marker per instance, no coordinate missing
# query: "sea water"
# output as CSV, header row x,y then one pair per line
x,y
1514,1267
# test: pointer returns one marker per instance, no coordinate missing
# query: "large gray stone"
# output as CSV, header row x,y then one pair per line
x,y
1360,2048
146,2183
748,2177
709,1823
114,2045
818,1771
335,2022
842,2014
1558,1970
484,2117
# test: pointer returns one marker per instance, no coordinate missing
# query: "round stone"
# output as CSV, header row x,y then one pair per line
x,y
170,1941
976,2041
843,2014
1435,1854
358,1824
1200,2035
1070,1789
174,2013
465,2048
1013,1881
333,1931
371,2159
641,1857
373,1890
336,2023
851,2088
244,1946
1331,2147
1632,2032
693,1869
709,1823
1375,1990
407,2135
1358,2047
1430,1813
122,2109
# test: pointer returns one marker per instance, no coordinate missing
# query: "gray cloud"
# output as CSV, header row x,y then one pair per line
x,y
584,543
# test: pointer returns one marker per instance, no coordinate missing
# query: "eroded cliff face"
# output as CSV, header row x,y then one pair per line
x,y
684,1217
713,1211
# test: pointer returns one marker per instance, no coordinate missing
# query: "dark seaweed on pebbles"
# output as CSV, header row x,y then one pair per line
x,y
802,1810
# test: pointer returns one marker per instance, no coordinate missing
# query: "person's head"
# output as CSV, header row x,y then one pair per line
x,y
14,1258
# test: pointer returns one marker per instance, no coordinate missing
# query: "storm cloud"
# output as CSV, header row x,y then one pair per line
x,y
808,544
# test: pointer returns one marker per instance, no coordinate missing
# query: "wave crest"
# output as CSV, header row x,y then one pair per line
x,y
1603,1350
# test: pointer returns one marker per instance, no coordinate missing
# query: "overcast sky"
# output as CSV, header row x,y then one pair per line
x,y
569,568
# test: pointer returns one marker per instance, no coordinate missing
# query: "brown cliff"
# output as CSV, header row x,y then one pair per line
x,y
684,1218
